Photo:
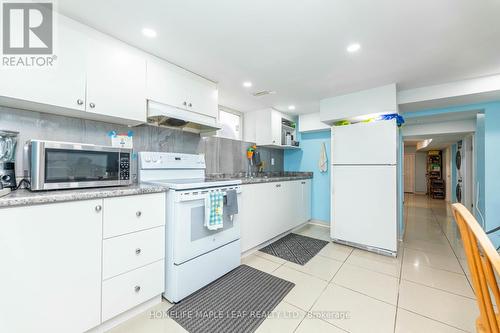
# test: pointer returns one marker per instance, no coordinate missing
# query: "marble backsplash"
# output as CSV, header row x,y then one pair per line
x,y
222,155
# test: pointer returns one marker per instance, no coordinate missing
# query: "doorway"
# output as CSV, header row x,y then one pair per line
x,y
409,173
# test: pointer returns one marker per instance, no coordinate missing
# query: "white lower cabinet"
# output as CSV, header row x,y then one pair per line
x,y
124,215
51,267
270,209
59,272
125,291
125,253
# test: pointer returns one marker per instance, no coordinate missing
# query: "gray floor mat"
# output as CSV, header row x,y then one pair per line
x,y
237,302
295,248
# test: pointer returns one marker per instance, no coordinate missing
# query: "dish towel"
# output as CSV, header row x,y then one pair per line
x,y
214,202
323,159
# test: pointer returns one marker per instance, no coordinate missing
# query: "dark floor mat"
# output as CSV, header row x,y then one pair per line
x,y
295,248
237,302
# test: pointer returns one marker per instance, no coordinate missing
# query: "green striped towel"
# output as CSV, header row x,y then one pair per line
x,y
214,203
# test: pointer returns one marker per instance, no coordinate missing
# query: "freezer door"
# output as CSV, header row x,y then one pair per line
x,y
364,205
365,143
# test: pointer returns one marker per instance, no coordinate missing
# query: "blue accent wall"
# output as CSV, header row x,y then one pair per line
x,y
306,159
480,160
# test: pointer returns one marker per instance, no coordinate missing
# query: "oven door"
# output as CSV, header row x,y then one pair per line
x,y
191,238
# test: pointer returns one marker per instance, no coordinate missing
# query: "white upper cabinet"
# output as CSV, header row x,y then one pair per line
x,y
116,79
172,85
166,83
203,96
62,85
266,128
94,77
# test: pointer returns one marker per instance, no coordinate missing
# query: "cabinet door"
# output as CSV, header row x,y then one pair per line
x,y
203,96
306,200
51,257
61,85
116,80
258,213
268,127
166,83
276,127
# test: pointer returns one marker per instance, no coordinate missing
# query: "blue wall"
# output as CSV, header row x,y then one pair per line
x,y
306,159
480,159
487,159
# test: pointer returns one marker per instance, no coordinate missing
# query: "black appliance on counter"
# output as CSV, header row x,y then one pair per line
x,y
8,144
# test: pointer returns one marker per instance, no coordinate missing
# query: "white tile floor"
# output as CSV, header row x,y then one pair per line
x,y
424,289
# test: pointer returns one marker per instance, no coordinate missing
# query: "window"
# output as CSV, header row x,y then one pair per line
x,y
231,123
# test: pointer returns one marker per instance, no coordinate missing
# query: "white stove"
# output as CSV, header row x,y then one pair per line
x,y
194,255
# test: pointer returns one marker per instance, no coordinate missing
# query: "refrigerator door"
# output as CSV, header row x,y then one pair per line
x,y
365,143
364,206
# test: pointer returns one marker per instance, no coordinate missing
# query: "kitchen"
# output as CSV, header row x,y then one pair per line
x,y
139,185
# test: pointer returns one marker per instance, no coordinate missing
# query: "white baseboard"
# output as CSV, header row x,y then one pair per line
x,y
320,223
123,317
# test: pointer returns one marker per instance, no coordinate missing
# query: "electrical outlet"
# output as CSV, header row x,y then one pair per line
x,y
272,161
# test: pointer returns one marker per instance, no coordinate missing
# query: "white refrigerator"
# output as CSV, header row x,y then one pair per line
x,y
364,186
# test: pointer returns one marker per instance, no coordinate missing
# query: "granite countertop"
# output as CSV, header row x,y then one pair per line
x,y
23,197
266,177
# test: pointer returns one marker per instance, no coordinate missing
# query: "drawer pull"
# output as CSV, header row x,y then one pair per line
x,y
98,208
278,185
138,214
137,251
303,182
137,289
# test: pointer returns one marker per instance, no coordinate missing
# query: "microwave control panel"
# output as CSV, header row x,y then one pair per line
x,y
124,166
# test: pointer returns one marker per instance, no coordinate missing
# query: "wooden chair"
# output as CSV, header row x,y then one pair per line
x,y
483,261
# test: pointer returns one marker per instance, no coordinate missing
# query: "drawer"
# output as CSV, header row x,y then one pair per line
x,y
131,251
123,215
126,291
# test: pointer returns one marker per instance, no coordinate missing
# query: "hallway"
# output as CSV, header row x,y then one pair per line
x,y
434,259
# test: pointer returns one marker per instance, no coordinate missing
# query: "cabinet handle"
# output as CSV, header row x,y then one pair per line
x,y
137,289
137,251
303,182
185,103
79,101
92,105
278,185
98,208
190,104
138,214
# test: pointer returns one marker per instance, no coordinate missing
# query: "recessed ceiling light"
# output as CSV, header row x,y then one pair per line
x,y
149,32
247,84
353,47
291,107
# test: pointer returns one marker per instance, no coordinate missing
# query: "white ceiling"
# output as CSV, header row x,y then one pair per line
x,y
297,48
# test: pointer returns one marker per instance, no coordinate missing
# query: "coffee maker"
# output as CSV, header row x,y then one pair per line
x,y
8,143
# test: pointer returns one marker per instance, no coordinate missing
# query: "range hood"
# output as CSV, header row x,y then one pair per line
x,y
164,115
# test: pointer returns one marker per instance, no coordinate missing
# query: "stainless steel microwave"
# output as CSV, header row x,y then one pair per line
x,y
63,165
